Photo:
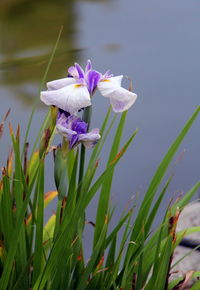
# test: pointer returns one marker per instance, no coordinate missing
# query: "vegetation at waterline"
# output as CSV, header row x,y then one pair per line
x,y
132,255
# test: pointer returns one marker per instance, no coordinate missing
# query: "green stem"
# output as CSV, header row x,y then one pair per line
x,y
36,101
58,212
86,118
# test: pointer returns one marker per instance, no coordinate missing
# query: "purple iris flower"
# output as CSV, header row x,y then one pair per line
x,y
74,92
89,77
75,131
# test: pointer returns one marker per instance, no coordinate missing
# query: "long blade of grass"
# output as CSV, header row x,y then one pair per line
x,y
106,187
150,194
104,175
93,260
19,191
164,265
113,234
96,151
38,253
154,211
6,211
187,197
36,102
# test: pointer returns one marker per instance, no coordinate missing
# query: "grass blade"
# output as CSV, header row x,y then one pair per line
x,y
161,171
106,187
38,253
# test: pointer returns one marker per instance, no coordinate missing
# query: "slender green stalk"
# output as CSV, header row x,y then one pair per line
x,y
86,118
37,100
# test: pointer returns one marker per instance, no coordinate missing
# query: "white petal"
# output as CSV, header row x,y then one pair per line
x,y
70,99
59,84
67,133
117,79
107,86
122,99
90,139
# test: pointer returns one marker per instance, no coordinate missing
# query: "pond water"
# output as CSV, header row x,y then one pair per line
x,y
155,43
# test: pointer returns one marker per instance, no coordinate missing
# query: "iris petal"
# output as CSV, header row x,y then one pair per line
x,y
71,98
90,139
120,98
61,83
92,79
108,86
73,72
65,132
79,70
74,130
88,66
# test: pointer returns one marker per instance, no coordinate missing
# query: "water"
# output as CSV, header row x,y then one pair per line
x,y
155,43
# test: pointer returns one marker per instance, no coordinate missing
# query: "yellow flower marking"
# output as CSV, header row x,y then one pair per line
x,y
106,80
78,85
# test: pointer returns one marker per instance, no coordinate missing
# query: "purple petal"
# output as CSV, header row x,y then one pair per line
x,y
73,72
88,66
73,141
64,130
90,139
79,126
107,75
92,79
79,70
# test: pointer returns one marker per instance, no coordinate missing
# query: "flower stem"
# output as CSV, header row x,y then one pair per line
x,y
86,118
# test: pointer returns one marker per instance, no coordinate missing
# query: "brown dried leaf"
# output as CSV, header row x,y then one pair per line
x,y
183,284
3,122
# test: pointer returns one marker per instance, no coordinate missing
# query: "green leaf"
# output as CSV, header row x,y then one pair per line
x,y
140,264
93,261
158,176
36,102
60,174
66,232
196,286
98,147
49,230
121,223
106,187
109,169
187,197
154,211
162,275
160,172
38,253
86,118
15,235
6,217
111,254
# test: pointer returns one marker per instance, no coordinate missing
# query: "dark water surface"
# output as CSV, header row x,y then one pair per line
x,y
156,43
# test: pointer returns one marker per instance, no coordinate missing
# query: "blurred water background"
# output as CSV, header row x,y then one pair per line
x,y
155,43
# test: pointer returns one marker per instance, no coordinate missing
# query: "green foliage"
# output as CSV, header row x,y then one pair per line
x,y
132,255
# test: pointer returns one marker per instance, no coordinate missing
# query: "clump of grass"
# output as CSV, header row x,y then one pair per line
x,y
51,256
35,255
